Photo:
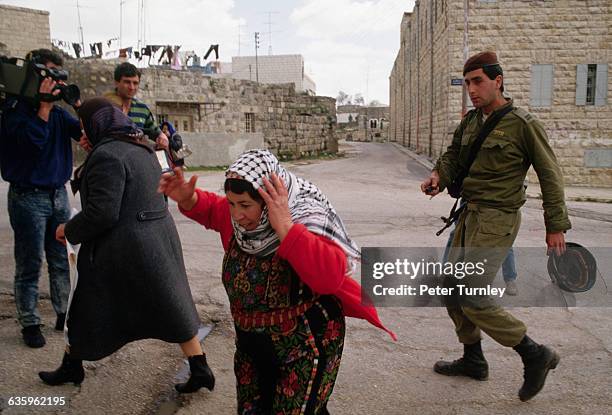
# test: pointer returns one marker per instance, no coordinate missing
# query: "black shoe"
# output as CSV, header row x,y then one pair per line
x,y
201,376
32,336
538,361
59,322
472,364
71,370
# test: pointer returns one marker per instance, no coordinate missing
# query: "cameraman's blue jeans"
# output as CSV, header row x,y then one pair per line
x,y
508,266
34,215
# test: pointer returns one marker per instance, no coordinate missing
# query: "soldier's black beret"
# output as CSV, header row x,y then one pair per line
x,y
575,271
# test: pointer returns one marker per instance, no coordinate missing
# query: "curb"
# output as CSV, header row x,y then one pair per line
x,y
422,160
428,164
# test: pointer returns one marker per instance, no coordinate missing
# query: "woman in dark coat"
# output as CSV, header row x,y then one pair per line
x,y
132,282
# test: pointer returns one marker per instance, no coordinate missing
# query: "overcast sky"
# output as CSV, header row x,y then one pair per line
x,y
347,45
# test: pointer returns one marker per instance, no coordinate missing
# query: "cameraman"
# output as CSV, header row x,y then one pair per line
x,y
36,159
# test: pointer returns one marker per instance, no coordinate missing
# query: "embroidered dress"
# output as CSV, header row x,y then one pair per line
x,y
288,340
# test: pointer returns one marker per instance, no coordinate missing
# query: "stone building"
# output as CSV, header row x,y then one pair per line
x,y
22,30
292,124
274,69
363,123
555,55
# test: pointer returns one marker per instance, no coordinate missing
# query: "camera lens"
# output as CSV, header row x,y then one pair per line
x,y
70,93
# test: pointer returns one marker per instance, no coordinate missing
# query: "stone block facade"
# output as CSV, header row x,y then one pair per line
x,y
427,98
293,124
22,30
363,123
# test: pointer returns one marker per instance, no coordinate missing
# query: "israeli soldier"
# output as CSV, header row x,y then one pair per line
x,y
493,189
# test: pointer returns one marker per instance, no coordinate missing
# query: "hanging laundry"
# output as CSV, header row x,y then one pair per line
x,y
146,51
196,61
215,48
137,54
92,49
162,55
176,59
99,47
77,49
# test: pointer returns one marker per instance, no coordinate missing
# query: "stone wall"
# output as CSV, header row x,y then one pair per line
x,y
426,106
293,124
22,30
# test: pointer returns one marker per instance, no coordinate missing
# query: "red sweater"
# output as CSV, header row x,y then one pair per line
x,y
310,255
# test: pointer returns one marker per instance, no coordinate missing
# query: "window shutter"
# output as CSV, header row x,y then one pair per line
x,y
547,85
601,87
581,82
536,81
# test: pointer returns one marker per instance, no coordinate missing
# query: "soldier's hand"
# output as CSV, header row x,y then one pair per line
x,y
555,241
431,186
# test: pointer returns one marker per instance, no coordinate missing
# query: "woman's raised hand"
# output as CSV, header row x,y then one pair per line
x,y
179,190
277,199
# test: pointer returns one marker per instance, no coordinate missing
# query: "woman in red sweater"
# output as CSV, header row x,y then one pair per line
x,y
287,267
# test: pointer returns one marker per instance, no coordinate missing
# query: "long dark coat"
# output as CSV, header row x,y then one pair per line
x,y
132,282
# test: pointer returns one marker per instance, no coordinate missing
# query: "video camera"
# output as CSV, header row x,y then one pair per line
x,y
178,149
20,77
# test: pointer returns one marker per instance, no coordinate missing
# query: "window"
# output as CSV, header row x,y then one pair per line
x,y
373,123
592,84
249,119
541,85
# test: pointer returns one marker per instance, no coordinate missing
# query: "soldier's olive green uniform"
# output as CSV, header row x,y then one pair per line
x,y
494,193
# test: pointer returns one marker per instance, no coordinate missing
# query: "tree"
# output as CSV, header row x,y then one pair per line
x,y
358,100
375,103
342,98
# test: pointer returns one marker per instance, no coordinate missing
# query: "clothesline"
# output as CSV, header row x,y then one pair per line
x,y
173,57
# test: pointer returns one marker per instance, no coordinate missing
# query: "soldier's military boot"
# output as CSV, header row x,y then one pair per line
x,y
538,361
473,364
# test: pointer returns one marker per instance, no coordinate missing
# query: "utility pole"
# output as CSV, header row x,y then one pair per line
x,y
80,27
121,2
256,61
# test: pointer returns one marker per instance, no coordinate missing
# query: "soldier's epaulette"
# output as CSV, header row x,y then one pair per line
x,y
524,115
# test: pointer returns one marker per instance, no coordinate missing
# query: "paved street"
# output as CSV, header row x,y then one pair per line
x,y
376,191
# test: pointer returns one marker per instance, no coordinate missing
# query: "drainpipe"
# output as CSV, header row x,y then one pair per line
x,y
466,51
418,79
431,82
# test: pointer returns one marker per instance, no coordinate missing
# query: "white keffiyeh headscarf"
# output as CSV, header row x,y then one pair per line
x,y
307,204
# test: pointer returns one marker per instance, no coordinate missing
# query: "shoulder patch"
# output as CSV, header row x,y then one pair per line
x,y
524,115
